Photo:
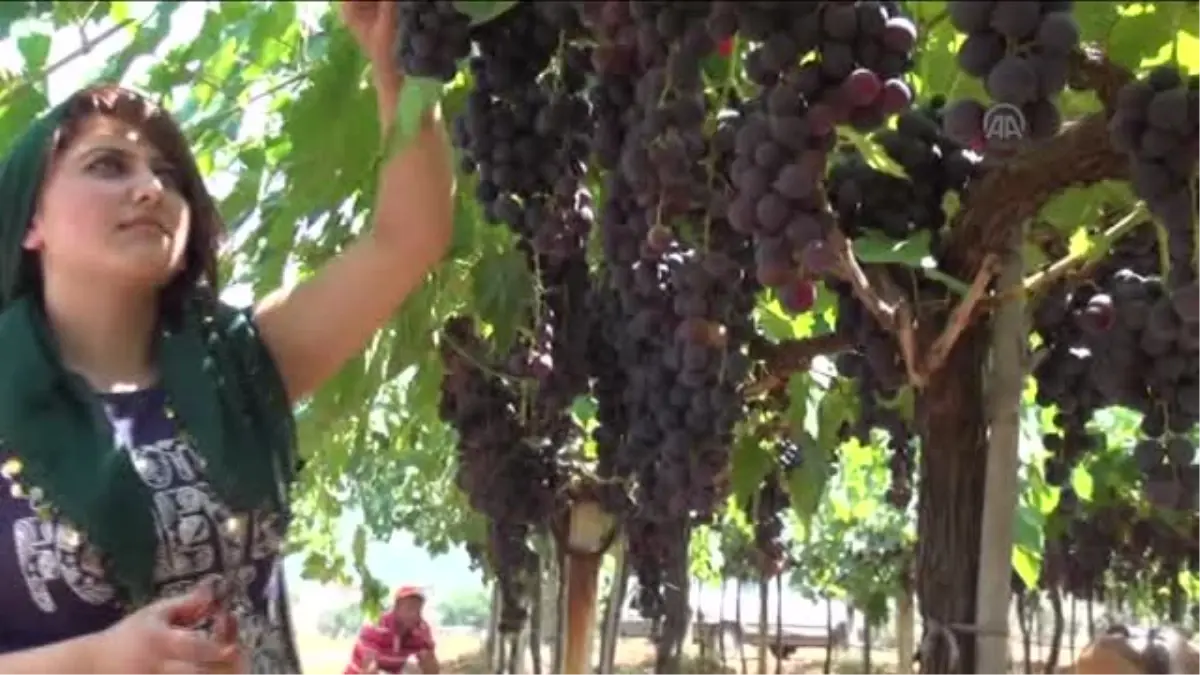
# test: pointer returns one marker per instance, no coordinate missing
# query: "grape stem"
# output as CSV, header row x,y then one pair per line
x,y
960,318
1078,262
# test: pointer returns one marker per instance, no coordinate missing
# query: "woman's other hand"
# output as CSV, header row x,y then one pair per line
x,y
162,638
373,25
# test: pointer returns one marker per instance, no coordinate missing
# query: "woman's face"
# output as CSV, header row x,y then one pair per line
x,y
111,207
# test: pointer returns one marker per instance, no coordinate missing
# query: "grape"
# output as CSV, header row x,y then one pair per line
x,y
969,17
963,121
1058,33
897,96
980,53
1015,20
817,258
900,35
711,195
1098,315
508,551
868,200
798,297
862,87
1012,81
791,456
527,141
432,37
1020,52
1186,301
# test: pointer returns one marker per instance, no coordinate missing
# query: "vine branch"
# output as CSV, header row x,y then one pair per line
x,y
960,318
1080,261
881,297
785,358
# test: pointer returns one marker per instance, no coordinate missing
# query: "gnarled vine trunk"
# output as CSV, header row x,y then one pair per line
x,y
953,429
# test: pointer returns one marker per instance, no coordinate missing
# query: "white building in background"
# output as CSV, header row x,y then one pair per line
x,y
711,606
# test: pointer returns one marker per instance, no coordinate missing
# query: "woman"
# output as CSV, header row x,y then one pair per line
x,y
146,437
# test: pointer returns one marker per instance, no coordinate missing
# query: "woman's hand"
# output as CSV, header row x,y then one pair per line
x,y
373,25
161,638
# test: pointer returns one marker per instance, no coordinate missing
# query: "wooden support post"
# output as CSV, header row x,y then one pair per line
x,y
1005,384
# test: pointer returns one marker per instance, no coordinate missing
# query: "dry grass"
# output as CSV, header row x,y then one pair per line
x,y
464,654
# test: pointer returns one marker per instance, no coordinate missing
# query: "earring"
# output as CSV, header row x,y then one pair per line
x,y
32,240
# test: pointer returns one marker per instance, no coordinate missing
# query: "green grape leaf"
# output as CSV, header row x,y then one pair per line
x,y
1027,547
874,249
502,287
751,463
35,49
483,11
417,97
798,387
914,252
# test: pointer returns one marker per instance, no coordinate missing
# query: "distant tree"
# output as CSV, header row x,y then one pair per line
x,y
341,622
465,608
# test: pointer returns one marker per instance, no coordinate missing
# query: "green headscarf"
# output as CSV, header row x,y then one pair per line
x,y
214,368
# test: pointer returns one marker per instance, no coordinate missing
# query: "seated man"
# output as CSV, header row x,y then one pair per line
x,y
386,646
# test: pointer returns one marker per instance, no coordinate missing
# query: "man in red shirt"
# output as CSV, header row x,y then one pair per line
x,y
400,634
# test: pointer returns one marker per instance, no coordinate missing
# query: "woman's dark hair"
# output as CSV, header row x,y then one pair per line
x,y
199,271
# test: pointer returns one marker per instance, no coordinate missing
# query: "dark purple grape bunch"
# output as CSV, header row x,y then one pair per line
x,y
1155,124
431,39
867,48
1021,51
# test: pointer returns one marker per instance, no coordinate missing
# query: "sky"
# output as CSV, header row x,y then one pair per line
x,y
395,562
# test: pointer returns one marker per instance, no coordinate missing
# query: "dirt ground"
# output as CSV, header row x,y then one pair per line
x,y
463,654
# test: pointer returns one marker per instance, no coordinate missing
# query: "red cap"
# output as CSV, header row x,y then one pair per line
x,y
408,592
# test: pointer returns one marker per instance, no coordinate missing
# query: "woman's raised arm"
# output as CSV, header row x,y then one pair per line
x,y
313,328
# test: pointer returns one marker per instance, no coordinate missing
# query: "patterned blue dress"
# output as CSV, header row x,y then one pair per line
x,y
52,585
